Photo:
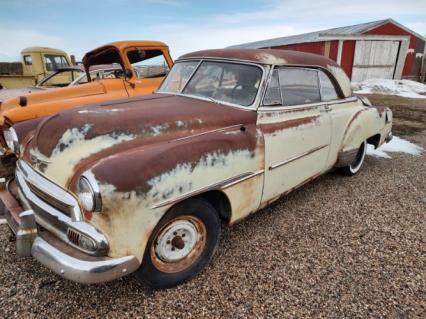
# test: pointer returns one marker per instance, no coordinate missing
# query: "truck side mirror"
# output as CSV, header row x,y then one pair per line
x,y
128,74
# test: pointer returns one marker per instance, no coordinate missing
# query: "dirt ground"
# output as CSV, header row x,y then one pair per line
x,y
338,247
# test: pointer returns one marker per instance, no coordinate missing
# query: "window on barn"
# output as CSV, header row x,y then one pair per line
x,y
328,91
299,86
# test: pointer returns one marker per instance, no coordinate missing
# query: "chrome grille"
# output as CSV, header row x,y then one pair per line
x,y
73,236
50,199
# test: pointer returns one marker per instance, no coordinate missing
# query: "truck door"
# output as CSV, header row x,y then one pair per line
x,y
149,67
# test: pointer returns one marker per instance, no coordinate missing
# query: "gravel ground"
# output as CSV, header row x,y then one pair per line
x,y
338,247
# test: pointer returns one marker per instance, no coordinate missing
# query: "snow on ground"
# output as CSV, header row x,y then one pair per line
x,y
398,145
2,221
404,88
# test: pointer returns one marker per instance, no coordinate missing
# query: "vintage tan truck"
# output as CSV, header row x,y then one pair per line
x,y
37,63
141,185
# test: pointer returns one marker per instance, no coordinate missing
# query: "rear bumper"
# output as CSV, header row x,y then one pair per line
x,y
56,255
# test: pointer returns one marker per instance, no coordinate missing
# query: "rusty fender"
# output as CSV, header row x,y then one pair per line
x,y
138,186
364,124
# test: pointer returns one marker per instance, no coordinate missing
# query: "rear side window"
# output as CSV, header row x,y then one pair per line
x,y
328,91
28,60
299,86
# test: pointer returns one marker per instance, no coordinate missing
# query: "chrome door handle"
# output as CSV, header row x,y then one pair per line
x,y
327,108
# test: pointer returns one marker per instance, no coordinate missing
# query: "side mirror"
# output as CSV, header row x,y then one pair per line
x,y
128,74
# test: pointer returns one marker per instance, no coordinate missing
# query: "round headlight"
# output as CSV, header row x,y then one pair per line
x,y
88,194
11,139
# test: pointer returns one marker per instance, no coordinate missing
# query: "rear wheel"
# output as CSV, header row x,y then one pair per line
x,y
356,165
181,245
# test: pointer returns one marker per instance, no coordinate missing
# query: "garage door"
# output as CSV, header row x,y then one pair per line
x,y
374,59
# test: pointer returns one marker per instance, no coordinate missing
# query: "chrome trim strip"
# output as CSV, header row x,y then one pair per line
x,y
293,108
297,157
221,185
82,271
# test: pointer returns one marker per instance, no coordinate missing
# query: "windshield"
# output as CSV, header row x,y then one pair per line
x,y
60,78
221,81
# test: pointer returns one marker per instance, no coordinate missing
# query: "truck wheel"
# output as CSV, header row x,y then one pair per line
x,y
181,245
355,166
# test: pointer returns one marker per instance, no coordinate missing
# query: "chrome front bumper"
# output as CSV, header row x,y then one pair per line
x,y
28,217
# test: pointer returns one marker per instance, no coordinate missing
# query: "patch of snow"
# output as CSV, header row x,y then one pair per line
x,y
404,88
2,221
397,145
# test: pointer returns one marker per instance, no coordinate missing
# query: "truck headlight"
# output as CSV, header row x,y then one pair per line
x,y
88,193
11,139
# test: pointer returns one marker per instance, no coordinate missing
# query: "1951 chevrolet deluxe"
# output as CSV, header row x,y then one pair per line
x,y
141,185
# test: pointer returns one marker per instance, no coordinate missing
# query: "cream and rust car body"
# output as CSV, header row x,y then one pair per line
x,y
173,147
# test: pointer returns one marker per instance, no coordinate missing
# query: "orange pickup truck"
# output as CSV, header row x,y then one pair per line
x,y
141,67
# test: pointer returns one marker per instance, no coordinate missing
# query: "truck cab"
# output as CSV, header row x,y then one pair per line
x,y
36,64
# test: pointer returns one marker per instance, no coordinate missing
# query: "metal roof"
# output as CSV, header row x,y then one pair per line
x,y
356,29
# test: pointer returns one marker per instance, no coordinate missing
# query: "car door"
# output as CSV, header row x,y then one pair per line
x,y
296,128
149,67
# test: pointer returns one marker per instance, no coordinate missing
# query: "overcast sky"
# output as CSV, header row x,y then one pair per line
x,y
77,26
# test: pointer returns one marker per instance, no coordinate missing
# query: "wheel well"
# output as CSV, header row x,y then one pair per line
x,y
220,202
374,140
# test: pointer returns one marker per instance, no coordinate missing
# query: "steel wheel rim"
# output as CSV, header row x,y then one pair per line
x,y
179,244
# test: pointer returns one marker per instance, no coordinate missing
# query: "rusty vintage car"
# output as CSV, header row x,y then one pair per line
x,y
141,185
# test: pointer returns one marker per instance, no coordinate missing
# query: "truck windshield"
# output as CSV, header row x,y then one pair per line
x,y
220,81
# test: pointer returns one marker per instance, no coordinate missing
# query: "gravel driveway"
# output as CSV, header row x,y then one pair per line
x,y
338,247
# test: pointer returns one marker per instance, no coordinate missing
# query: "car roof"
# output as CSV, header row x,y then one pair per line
x,y
264,56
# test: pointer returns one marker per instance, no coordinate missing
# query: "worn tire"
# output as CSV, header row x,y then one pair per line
x,y
157,272
356,165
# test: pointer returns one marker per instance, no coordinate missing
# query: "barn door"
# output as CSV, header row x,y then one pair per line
x,y
374,59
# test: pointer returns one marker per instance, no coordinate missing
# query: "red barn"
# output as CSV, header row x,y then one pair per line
x,y
378,49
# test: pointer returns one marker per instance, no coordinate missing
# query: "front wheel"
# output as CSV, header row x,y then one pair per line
x,y
355,166
181,245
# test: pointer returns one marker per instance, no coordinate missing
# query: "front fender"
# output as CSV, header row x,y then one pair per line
x,y
138,186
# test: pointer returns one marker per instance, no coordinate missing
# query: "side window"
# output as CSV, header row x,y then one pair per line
x,y
28,60
54,62
328,91
273,92
299,86
148,63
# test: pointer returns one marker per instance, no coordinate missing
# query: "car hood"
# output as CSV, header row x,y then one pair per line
x,y
57,94
11,93
66,139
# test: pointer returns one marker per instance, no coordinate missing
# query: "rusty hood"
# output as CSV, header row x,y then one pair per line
x,y
68,139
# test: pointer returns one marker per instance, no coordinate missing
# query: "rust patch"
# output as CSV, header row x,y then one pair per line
x,y
275,127
353,119
144,163
380,109
141,117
